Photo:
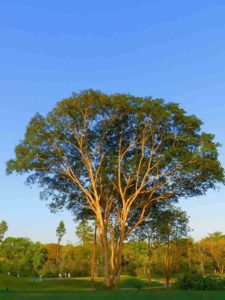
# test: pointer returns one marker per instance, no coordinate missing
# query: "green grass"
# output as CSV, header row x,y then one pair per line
x,y
60,284
64,289
120,295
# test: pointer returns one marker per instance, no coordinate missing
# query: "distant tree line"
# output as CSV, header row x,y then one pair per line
x,y
160,248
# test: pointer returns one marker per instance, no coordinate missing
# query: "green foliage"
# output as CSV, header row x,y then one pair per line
x,y
39,257
17,254
186,158
195,280
49,269
165,223
211,251
60,231
3,229
171,224
20,255
84,232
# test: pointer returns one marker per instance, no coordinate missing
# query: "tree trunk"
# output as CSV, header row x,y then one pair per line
x,y
93,258
105,250
167,267
57,256
202,267
189,259
177,259
167,280
149,272
167,274
117,254
115,276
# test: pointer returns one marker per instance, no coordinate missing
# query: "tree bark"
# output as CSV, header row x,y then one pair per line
x,y
202,267
116,258
105,250
149,272
93,258
167,266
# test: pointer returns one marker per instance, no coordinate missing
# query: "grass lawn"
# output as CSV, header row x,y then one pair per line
x,y
64,289
67,285
120,295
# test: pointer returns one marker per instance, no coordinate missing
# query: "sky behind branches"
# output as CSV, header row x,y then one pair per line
x,y
169,49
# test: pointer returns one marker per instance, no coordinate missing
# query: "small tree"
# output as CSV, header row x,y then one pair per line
x,y
39,257
166,225
147,231
3,229
214,245
171,226
60,232
86,214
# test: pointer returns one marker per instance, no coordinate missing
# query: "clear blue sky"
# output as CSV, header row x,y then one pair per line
x,y
169,49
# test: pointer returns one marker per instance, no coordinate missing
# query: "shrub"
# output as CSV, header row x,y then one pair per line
x,y
195,280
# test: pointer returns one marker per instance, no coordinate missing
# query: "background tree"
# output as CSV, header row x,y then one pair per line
x,y
20,255
116,155
60,232
171,226
214,246
17,256
166,226
84,232
87,237
50,268
39,257
147,231
83,215
3,229
201,255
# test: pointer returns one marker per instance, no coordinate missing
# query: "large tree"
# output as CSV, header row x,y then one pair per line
x,y
116,155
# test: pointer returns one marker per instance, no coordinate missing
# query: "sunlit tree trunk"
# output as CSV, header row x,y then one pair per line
x,y
93,261
106,271
117,248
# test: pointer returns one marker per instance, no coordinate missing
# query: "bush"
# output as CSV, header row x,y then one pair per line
x,y
214,282
195,280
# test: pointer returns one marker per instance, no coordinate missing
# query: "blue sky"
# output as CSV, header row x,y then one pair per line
x,y
169,49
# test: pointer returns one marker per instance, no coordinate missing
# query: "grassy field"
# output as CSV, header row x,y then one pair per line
x,y
74,284
120,295
79,288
